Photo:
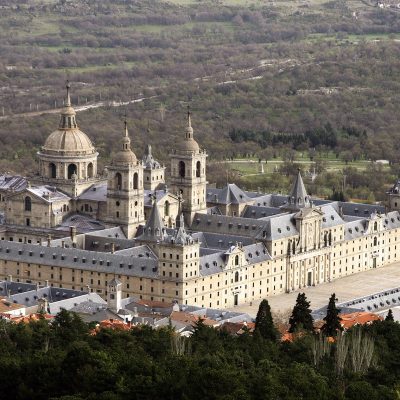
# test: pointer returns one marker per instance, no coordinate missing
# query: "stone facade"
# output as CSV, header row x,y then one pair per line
x,y
240,246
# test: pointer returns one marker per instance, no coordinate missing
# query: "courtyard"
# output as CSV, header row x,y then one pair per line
x,y
347,288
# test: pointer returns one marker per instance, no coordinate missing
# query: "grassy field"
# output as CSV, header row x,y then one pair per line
x,y
252,167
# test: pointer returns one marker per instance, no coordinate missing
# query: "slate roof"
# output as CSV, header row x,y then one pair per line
x,y
13,183
260,212
83,223
49,194
96,192
154,229
77,258
360,209
230,194
298,197
331,217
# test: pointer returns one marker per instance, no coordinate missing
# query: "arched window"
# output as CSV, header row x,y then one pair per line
x,y
375,226
166,208
236,276
375,241
198,169
182,168
28,203
135,180
52,170
71,170
90,170
236,260
118,181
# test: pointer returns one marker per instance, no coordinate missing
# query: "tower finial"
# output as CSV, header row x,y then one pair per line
x,y
189,121
68,87
125,128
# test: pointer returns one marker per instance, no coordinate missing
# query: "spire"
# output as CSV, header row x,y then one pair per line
x,y
189,129
154,228
298,197
148,153
181,236
68,100
68,120
126,141
179,217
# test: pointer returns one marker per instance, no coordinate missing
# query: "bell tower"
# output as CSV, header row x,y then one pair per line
x,y
125,194
188,173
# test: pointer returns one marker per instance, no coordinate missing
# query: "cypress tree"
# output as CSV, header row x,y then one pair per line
x,y
301,318
389,316
332,319
264,322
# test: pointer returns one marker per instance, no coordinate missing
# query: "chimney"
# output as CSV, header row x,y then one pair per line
x,y
46,283
112,248
9,278
72,233
63,244
87,288
48,240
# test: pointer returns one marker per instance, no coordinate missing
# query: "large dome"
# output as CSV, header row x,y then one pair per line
x,y
188,144
124,157
69,142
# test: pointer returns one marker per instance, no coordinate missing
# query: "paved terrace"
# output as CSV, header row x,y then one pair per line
x,y
347,288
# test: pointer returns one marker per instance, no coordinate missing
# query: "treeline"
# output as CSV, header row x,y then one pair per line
x,y
63,360
324,136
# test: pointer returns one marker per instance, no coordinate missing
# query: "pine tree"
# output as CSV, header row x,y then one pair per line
x,y
332,319
389,316
264,322
301,318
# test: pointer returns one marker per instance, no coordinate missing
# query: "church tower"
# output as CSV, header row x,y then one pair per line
x,y
114,295
68,159
125,192
393,196
188,173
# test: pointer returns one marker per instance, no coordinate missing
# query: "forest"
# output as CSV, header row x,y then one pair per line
x,y
263,79
63,359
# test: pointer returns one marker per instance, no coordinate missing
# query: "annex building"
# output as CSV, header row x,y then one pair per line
x,y
186,242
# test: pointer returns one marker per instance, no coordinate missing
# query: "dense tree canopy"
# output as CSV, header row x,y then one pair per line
x,y
62,360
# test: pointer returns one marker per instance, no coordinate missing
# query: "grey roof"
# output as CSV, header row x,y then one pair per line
x,y
278,227
360,209
29,294
150,194
77,258
260,212
223,224
214,263
331,217
12,183
230,194
154,228
372,303
96,192
49,194
220,241
391,220
83,223
298,197
355,229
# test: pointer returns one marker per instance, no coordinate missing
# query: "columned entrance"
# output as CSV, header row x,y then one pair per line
x,y
309,278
